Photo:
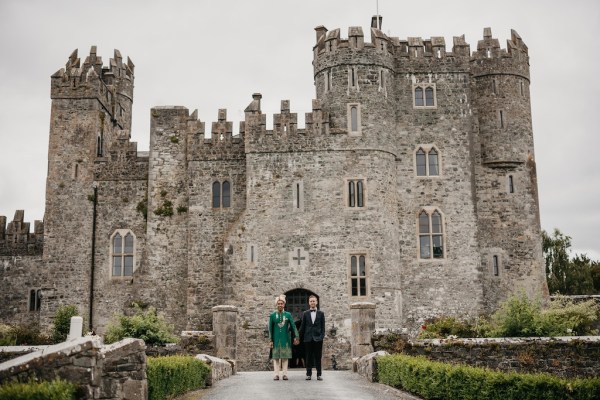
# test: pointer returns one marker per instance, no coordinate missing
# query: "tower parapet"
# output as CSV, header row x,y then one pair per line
x,y
16,238
112,85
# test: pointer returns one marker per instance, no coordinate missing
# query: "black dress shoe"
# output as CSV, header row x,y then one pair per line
x,y
319,378
308,377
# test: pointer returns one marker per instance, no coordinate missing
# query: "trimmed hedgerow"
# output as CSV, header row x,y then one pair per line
x,y
435,380
55,390
174,375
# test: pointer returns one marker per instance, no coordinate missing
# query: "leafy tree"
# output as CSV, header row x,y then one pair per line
x,y
595,272
62,322
556,254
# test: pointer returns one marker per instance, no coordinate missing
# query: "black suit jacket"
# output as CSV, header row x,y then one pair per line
x,y
310,332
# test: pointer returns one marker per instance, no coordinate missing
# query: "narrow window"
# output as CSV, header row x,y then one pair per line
x,y
128,255
352,73
501,119
421,164
488,53
356,193
522,88
216,189
495,265
251,253
117,255
297,195
329,79
511,184
434,169
381,78
358,275
100,145
226,194
32,300
494,86
419,97
75,170
431,235
429,99
424,236
354,118
439,53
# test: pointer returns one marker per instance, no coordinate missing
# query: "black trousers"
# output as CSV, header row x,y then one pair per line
x,y
313,352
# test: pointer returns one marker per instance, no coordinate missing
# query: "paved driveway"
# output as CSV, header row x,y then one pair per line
x,y
342,385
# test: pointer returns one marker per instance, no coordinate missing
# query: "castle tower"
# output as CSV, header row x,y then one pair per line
x,y
91,109
506,184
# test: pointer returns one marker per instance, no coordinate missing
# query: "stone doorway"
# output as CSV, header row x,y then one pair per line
x,y
296,303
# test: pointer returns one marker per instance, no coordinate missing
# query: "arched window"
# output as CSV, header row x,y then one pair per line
x,y
356,193
122,253
221,194
431,235
427,161
353,119
419,97
424,95
358,275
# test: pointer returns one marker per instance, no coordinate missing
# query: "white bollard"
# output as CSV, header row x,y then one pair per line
x,y
76,328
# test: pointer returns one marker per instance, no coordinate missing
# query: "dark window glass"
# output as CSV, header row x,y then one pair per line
x,y
495,265
351,194
438,247
359,193
128,270
511,185
353,269
129,243
117,265
216,188
362,271
118,246
363,287
354,287
424,245
429,96
226,194
421,167
32,298
419,96
423,222
436,222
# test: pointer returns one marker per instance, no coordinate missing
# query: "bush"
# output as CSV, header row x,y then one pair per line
x,y
62,322
22,335
564,317
436,380
55,390
174,375
444,327
147,325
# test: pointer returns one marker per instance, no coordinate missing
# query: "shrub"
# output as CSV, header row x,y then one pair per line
x,y
55,390
516,317
22,334
145,324
436,380
62,322
564,317
444,327
174,375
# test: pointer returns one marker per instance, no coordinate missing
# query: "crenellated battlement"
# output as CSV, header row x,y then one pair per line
x,y
490,58
112,85
16,238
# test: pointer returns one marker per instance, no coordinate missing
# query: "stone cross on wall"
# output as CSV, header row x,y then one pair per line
x,y
298,259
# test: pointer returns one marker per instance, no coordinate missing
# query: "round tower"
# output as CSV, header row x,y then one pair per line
x,y
506,181
354,82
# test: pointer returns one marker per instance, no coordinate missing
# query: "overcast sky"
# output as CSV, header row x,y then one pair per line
x,y
214,54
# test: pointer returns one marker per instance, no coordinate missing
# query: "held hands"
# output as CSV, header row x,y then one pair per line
x,y
296,341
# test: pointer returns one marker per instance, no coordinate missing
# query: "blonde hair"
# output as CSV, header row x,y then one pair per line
x,y
280,297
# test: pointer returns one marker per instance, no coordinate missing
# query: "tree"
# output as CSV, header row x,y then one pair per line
x,y
556,254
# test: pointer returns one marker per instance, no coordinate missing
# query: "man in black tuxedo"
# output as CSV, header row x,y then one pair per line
x,y
312,332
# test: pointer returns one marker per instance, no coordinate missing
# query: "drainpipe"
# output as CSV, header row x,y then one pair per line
x,y
93,266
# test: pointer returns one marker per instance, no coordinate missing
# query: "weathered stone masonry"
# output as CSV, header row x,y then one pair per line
x,y
289,224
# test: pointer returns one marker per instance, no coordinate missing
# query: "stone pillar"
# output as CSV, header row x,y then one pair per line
x,y
76,328
225,329
363,326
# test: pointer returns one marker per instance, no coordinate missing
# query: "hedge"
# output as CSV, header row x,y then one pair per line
x,y
55,390
436,380
174,375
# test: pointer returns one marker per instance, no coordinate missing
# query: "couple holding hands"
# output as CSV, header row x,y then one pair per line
x,y
311,334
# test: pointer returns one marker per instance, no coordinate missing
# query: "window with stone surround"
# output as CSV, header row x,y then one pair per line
x,y
358,275
221,194
35,299
427,161
354,119
298,195
122,253
431,234
355,193
511,184
424,95
352,77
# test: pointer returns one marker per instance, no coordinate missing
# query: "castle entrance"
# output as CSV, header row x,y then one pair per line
x,y
296,303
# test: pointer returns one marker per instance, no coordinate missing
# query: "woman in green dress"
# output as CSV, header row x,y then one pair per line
x,y
280,324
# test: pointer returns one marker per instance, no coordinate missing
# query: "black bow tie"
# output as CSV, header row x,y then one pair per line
x,y
313,310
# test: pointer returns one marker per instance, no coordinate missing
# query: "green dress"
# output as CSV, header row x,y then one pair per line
x,y
279,333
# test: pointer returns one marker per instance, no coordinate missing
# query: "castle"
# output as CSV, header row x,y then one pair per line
x,y
411,186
